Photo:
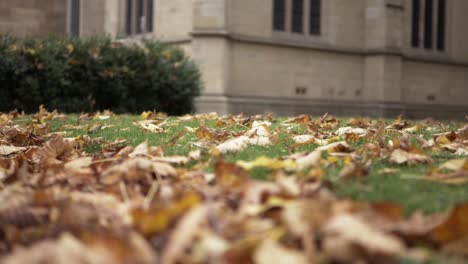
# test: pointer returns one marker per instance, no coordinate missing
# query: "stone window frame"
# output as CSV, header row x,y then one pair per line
x,y
73,29
421,43
306,35
139,24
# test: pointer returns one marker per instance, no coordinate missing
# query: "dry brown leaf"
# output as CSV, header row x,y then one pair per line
x,y
67,249
184,234
233,145
462,133
400,156
150,126
458,174
9,150
270,251
346,232
454,227
229,175
355,171
158,219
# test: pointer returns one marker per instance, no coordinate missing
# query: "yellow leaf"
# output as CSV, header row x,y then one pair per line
x,y
442,140
267,162
145,115
167,54
70,48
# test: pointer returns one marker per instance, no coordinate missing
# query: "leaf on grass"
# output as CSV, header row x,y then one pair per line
x,y
179,160
150,126
455,164
462,133
229,175
389,171
233,145
350,130
458,172
458,177
309,139
337,147
267,162
211,134
400,156
355,171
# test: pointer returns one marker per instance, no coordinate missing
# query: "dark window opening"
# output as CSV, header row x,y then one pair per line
x,y
279,15
139,17
415,23
441,25
298,16
314,23
428,14
75,18
149,16
128,17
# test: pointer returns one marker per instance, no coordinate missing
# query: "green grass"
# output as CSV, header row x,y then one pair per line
x,y
405,188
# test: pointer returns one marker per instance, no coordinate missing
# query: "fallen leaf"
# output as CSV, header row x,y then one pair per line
x,y
271,251
345,232
267,162
233,145
400,156
8,150
454,227
185,232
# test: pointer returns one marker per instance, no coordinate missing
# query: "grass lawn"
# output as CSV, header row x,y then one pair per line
x,y
233,189
404,186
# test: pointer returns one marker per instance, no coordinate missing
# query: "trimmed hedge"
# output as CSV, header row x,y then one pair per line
x,y
75,75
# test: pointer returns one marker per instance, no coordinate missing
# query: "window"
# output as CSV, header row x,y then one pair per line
x,y
441,25
428,24
297,16
139,16
73,23
279,15
314,22
428,14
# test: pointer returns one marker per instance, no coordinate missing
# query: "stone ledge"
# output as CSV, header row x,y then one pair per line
x,y
286,106
406,54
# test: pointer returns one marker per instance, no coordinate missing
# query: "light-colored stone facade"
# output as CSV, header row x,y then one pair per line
x,y
362,62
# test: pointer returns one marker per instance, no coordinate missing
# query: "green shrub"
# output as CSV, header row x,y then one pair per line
x,y
75,75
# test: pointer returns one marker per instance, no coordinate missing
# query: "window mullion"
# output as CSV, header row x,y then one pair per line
x,y
288,25
149,15
422,18
435,21
134,17
306,19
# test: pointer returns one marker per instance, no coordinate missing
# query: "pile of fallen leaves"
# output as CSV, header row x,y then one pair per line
x,y
128,204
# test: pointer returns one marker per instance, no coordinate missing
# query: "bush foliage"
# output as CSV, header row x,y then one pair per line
x,y
75,75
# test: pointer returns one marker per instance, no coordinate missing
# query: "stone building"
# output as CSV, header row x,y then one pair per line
x,y
374,57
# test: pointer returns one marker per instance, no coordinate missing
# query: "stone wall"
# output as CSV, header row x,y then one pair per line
x,y
275,71
24,18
